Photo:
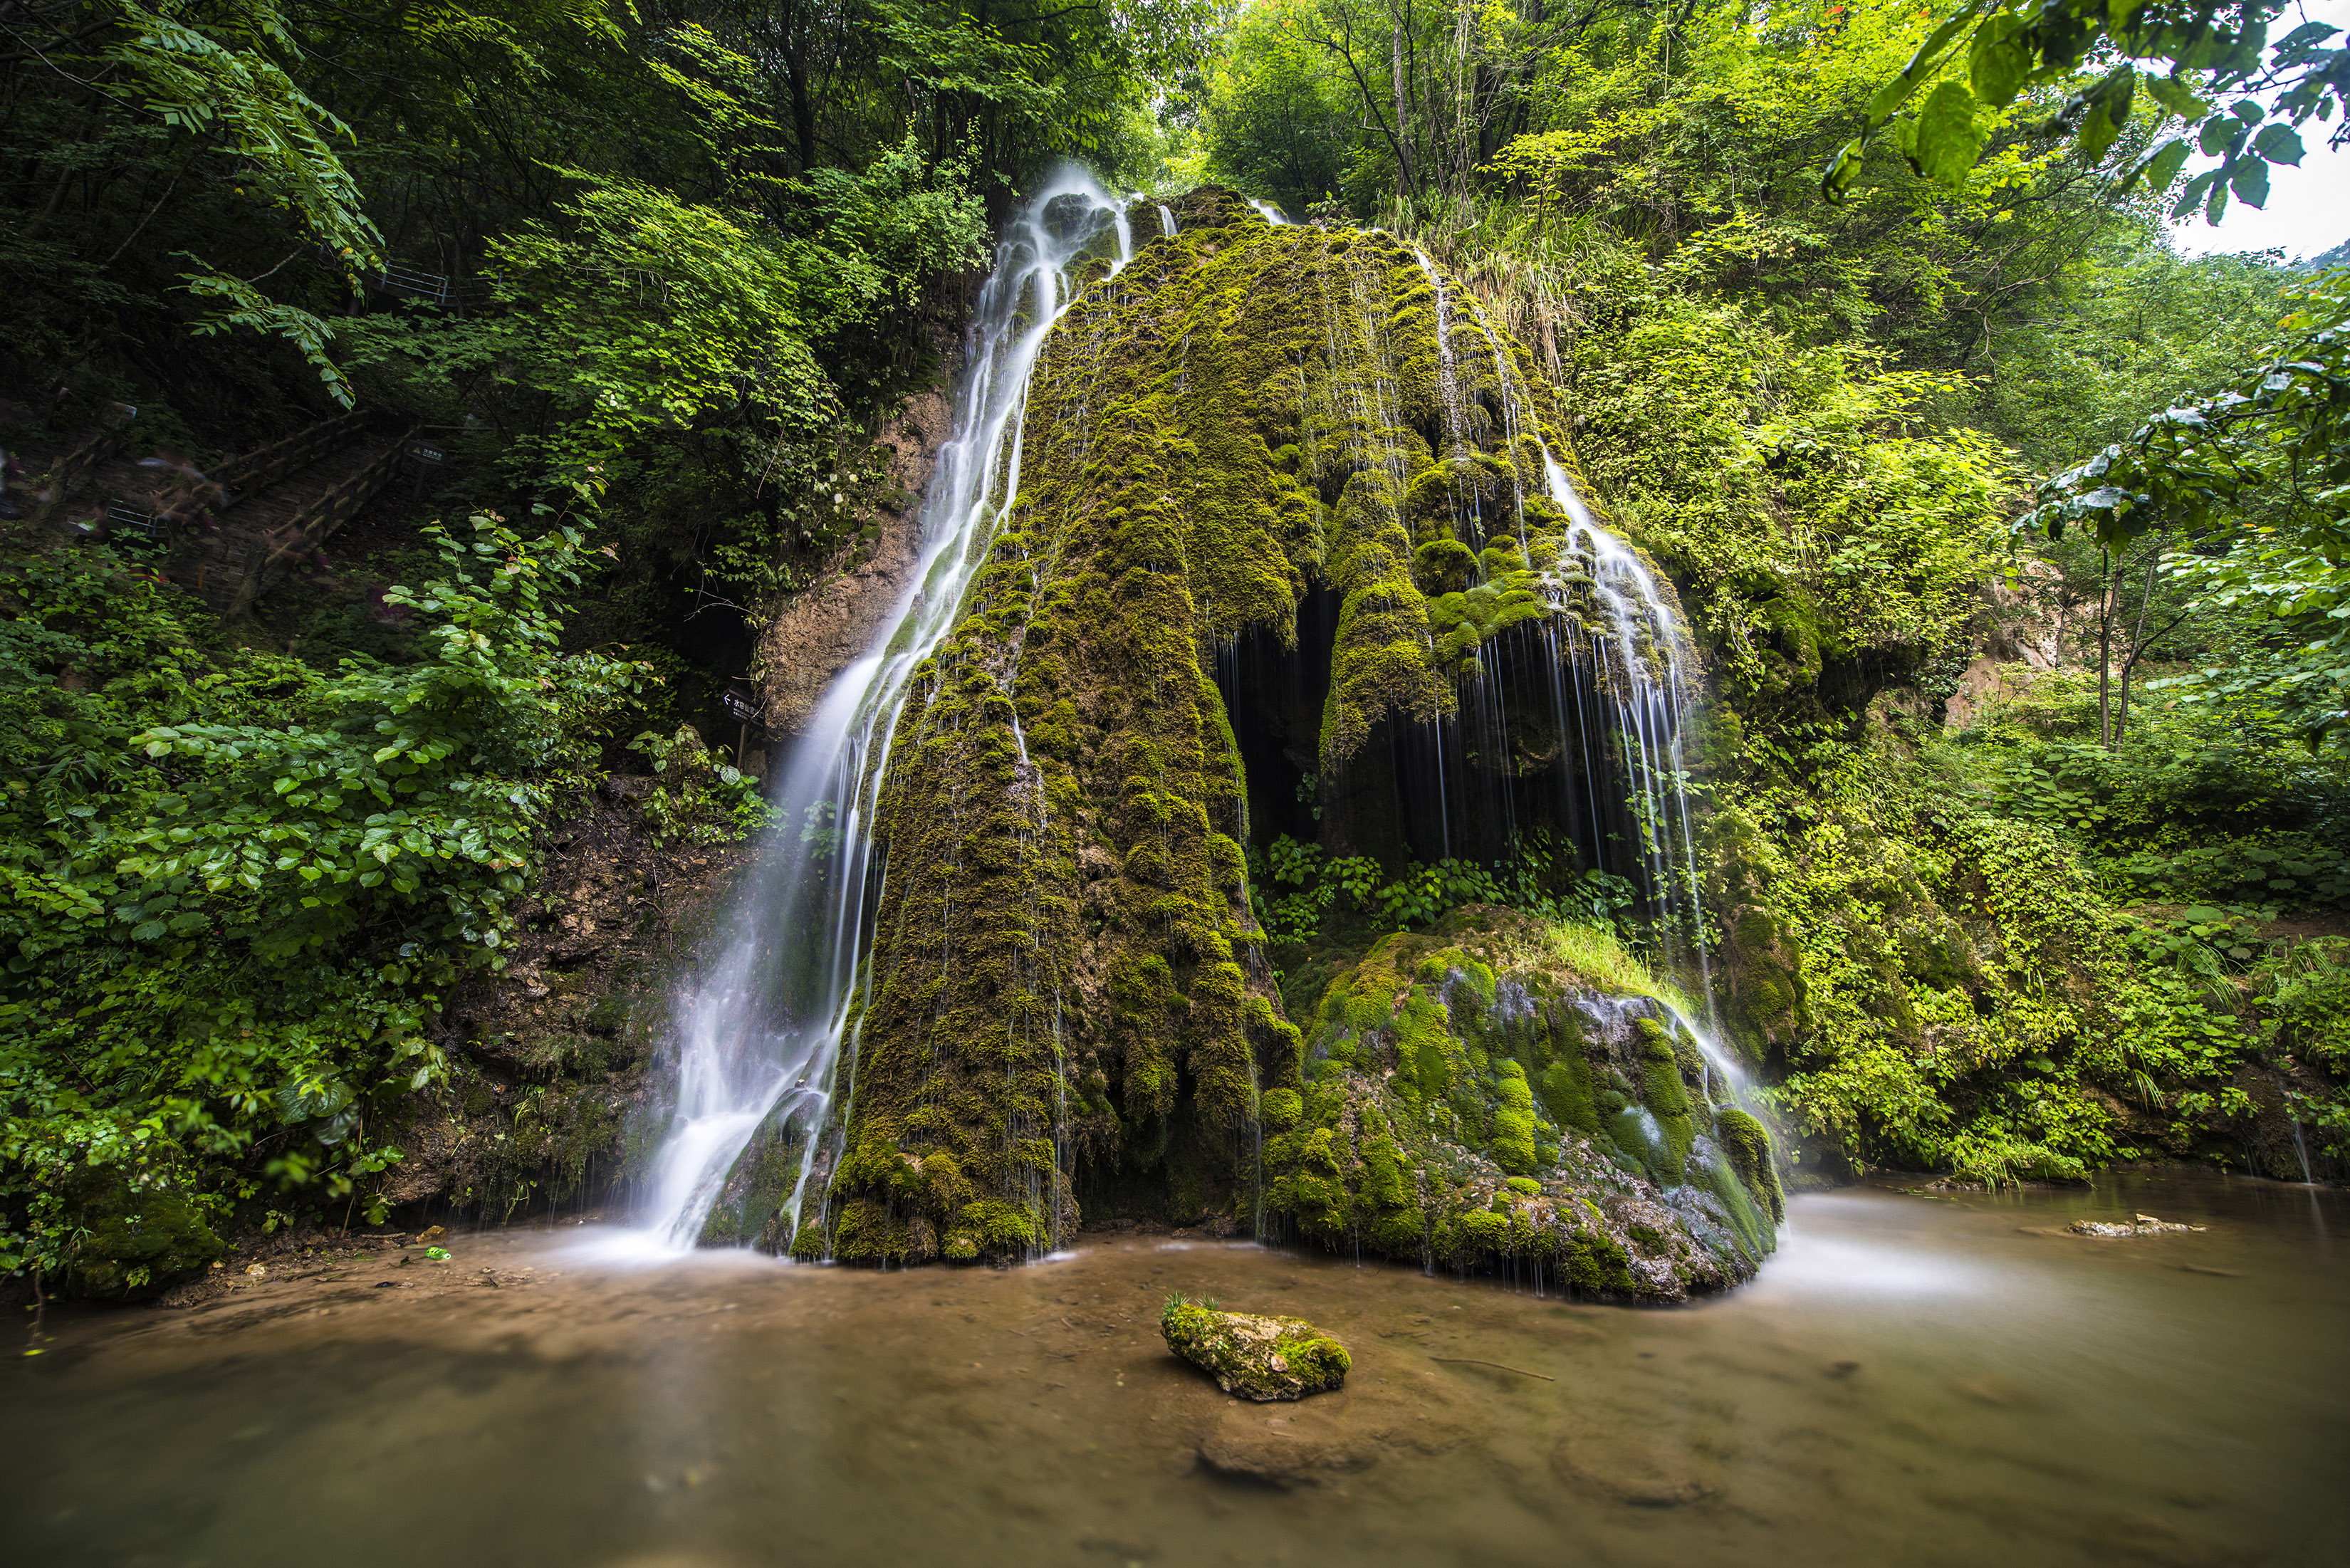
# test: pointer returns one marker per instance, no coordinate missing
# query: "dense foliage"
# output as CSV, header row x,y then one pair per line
x,y
239,887
670,268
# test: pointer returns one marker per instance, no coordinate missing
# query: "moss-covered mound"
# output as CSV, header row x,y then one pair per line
x,y
137,1242
1260,1358
1475,1094
1067,995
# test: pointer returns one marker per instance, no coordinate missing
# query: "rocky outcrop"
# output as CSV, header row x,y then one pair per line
x,y
1255,1357
550,1057
1068,989
1490,1091
824,628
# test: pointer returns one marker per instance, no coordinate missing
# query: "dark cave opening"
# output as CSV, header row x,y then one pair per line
x,y
1530,758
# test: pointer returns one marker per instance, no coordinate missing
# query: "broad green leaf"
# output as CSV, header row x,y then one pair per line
x,y
1998,62
2109,106
2249,177
2279,143
1947,136
2177,97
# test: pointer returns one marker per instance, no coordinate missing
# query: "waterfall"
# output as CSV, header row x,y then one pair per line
x,y
1448,384
1639,652
761,1029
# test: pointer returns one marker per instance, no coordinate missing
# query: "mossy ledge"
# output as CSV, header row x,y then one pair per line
x,y
1067,1002
1470,1099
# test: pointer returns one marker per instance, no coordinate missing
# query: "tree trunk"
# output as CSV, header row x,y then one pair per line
x,y
803,111
2105,651
1404,181
2138,642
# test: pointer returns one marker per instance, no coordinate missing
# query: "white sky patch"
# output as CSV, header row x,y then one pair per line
x,y
2308,210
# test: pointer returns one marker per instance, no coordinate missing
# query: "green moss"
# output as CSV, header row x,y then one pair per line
x,y
1566,1092
135,1241
1063,954
1514,1120
1255,1357
1747,1144
1482,1231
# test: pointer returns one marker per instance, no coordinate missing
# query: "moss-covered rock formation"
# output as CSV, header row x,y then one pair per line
x,y
1255,1357
136,1240
1472,1094
1069,1009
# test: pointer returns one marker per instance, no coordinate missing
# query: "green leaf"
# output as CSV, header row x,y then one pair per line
x,y
1897,92
2279,143
2109,106
2177,97
2158,168
1949,136
2250,178
2192,196
1998,63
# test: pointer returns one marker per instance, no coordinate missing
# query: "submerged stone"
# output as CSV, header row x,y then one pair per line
x,y
1255,1357
2141,1225
1295,1446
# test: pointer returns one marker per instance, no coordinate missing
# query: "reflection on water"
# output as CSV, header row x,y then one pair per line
x,y
1912,1380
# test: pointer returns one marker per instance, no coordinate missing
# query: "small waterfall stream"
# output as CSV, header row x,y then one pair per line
x,y
761,1029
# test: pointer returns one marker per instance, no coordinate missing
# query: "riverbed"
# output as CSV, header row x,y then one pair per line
x,y
1914,1379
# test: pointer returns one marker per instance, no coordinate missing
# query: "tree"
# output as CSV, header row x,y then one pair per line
x,y
2216,51
2257,477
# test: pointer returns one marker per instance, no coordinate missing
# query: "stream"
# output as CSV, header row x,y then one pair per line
x,y
1914,1378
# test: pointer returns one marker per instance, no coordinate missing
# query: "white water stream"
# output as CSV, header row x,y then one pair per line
x,y
760,1027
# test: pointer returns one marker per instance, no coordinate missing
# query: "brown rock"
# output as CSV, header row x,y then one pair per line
x,y
825,629
1284,1447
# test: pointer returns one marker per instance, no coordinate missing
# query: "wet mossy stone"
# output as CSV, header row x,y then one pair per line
x,y
1244,420
136,1243
1471,1103
1255,1357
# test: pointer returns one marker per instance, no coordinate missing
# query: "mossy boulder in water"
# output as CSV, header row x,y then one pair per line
x,y
1255,1357
1500,1092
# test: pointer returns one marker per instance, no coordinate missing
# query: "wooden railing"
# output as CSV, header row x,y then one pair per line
x,y
265,466
315,523
75,466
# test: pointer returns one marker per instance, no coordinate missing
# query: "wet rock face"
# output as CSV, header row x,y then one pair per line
x,y
1255,1357
1069,991
820,632
548,1096
1476,1096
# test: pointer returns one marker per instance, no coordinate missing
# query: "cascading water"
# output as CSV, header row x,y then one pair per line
x,y
1640,648
761,1029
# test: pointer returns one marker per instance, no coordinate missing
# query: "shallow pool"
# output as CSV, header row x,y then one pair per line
x,y
1913,1380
